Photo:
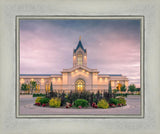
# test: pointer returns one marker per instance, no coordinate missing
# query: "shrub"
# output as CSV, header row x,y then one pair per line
x,y
103,104
39,95
44,100
38,99
113,101
81,102
121,100
55,102
120,94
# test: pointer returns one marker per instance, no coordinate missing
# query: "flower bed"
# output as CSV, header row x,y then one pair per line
x,y
80,100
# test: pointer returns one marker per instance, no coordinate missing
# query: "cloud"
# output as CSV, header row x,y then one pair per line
x,y
113,46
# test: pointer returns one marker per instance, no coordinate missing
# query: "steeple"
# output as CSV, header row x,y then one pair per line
x,y
80,45
80,55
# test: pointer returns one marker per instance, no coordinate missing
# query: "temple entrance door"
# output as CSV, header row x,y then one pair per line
x,y
80,85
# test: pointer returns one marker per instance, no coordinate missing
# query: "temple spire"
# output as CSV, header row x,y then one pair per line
x,y
79,37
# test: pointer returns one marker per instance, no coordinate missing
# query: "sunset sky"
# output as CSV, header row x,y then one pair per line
x,y
113,46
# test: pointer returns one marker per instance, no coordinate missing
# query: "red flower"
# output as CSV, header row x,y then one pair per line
x,y
80,107
110,105
70,105
43,105
67,107
95,106
113,105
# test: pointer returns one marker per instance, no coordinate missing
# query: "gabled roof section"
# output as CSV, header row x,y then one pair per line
x,y
38,74
80,46
80,67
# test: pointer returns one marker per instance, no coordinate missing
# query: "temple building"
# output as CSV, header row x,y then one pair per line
x,y
77,78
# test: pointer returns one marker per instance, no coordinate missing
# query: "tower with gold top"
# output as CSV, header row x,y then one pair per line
x,y
79,55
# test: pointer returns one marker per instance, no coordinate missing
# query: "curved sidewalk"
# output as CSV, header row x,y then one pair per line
x,y
27,108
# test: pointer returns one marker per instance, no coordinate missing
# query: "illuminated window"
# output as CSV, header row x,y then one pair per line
x,y
47,88
37,88
80,85
79,59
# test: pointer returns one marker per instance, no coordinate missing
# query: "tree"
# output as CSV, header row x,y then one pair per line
x,y
110,89
24,87
51,88
123,88
33,85
138,89
115,90
132,88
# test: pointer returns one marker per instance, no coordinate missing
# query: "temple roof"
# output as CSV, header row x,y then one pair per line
x,y
38,74
80,45
111,74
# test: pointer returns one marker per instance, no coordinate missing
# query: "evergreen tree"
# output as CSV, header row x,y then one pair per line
x,y
33,85
24,87
110,89
123,88
51,88
132,88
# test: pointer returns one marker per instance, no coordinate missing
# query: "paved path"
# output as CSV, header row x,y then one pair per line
x,y
27,108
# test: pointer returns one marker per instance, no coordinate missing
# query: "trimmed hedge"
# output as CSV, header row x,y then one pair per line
x,y
38,95
113,101
121,100
81,102
119,94
44,100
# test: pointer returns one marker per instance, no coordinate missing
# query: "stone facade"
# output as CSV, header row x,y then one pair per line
x,y
79,77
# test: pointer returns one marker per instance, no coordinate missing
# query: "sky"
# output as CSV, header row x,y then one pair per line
x,y
113,46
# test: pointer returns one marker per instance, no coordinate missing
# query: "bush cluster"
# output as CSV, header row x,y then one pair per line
x,y
121,100
81,99
38,99
81,102
103,104
44,100
113,101
55,102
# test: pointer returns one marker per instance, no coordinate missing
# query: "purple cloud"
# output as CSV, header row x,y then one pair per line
x,y
113,46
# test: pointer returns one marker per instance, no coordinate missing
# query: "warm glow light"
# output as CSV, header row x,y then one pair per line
x,y
22,80
117,81
87,73
53,79
59,78
83,70
42,80
72,73
74,57
76,71
84,56
32,79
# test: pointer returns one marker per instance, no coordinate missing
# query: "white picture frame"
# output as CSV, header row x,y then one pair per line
x,y
10,124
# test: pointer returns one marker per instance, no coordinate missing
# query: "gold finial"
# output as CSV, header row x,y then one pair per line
x,y
79,37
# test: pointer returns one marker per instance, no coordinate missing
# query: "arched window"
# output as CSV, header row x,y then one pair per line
x,y
79,59
80,85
